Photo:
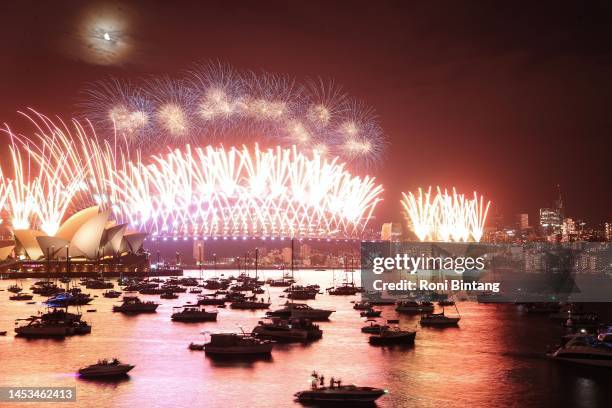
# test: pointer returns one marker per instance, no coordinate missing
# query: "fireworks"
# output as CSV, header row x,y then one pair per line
x,y
214,102
445,217
200,191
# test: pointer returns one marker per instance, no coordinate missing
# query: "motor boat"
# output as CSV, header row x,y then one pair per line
x,y
193,314
98,284
14,289
210,300
233,344
298,292
337,393
196,346
105,369
362,305
288,330
111,294
370,313
250,304
132,304
21,296
56,323
439,320
168,295
392,336
374,328
347,289
301,310
585,349
414,307
71,298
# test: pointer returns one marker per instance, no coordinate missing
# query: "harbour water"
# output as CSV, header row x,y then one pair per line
x,y
496,357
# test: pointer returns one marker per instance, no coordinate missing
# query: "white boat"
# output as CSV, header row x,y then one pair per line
x,y
105,368
411,306
337,393
585,349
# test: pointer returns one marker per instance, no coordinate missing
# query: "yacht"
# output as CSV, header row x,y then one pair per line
x,y
105,369
298,292
193,314
585,349
14,288
291,330
210,300
168,295
232,344
413,307
57,323
347,289
370,313
111,294
21,296
337,393
363,305
439,320
71,298
132,304
374,328
392,336
250,304
98,284
301,310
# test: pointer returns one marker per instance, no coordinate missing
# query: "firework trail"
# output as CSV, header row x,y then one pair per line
x,y
446,217
216,103
201,191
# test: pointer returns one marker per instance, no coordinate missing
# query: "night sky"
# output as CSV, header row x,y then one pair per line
x,y
508,99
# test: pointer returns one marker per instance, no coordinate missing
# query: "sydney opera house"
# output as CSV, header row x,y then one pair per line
x,y
88,241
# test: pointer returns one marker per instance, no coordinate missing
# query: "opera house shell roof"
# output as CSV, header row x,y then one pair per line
x,y
87,234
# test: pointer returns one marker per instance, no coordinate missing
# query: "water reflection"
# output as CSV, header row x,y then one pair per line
x,y
494,358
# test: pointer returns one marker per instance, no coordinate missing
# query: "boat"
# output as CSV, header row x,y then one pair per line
x,y
347,289
195,290
210,300
21,296
132,304
392,336
14,288
288,330
446,302
337,393
3,333
192,314
298,292
301,310
56,323
439,320
105,369
374,328
45,288
363,305
414,307
168,295
196,346
233,344
584,349
370,313
281,282
111,294
250,304
71,298
98,284
542,307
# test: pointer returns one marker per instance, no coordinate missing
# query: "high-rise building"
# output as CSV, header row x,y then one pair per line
x,y
391,231
608,231
550,220
522,221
